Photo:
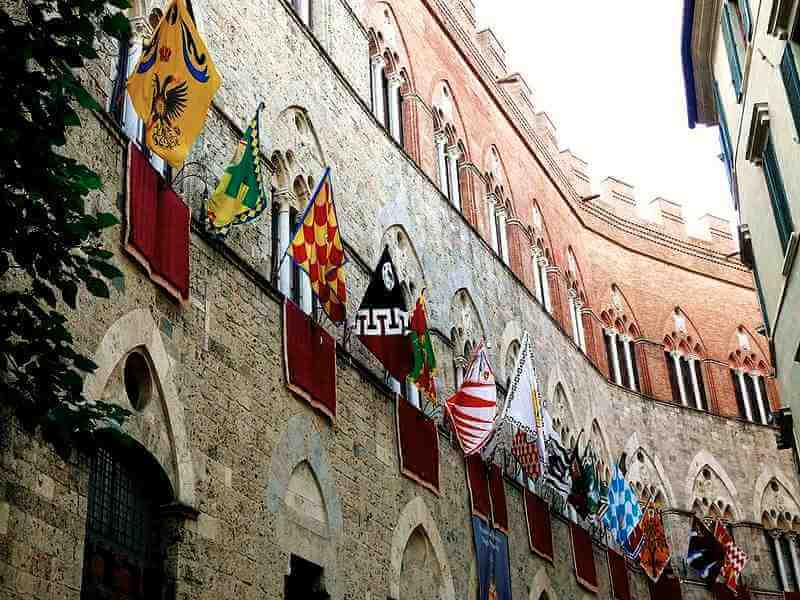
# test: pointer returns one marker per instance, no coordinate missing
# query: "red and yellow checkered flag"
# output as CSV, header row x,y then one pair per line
x,y
317,249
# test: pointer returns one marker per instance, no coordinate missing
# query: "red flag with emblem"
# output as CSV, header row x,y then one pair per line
x,y
317,249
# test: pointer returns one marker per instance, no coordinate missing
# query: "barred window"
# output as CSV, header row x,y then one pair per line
x,y
122,556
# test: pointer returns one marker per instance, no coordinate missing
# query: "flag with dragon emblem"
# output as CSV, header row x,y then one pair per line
x,y
423,371
172,85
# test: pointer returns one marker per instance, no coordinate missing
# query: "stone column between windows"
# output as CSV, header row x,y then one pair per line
x,y
413,395
377,87
284,198
676,358
573,316
536,256
627,343
615,356
395,81
460,364
775,535
795,552
762,412
548,305
695,384
748,410
581,330
440,139
491,203
501,220
455,193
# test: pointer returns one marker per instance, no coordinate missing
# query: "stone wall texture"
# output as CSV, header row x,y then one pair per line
x,y
257,475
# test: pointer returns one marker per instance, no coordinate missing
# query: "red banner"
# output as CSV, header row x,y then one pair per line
x,y
667,588
497,488
310,360
158,223
618,573
540,529
418,446
585,571
478,485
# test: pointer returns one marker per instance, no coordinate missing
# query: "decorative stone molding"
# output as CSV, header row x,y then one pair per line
x,y
416,514
137,329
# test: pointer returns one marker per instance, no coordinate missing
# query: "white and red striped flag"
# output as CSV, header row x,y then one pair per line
x,y
472,408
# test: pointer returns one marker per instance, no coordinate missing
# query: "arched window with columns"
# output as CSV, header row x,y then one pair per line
x,y
780,517
749,372
498,204
684,354
391,84
144,16
297,163
577,299
540,255
450,147
620,332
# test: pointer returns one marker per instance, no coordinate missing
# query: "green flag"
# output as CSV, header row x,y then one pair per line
x,y
241,194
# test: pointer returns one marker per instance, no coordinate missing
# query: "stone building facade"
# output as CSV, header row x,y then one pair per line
x,y
742,75
644,339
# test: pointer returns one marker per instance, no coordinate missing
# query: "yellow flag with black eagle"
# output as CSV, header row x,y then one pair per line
x,y
173,84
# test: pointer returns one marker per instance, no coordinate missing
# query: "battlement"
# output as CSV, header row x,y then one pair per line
x,y
619,197
493,52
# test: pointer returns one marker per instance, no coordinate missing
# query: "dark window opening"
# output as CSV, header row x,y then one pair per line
x,y
762,385
673,378
385,97
698,370
609,354
498,234
623,363
305,581
123,556
737,390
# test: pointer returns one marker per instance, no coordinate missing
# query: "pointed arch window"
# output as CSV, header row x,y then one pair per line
x,y
752,398
542,284
785,557
686,380
621,356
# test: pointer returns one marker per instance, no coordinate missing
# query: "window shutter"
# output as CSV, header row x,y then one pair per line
x,y
540,532
618,573
585,571
730,47
791,82
777,194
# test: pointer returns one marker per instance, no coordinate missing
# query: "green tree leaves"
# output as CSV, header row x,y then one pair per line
x,y
49,246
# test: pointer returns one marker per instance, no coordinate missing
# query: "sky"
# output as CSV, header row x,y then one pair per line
x,y
609,75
